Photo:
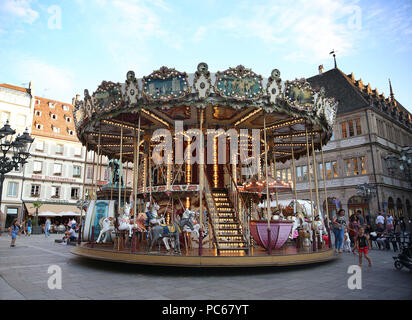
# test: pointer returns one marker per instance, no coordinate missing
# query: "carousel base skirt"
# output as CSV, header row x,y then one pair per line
x,y
286,256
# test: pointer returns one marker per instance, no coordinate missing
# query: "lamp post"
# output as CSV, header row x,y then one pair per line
x,y
19,147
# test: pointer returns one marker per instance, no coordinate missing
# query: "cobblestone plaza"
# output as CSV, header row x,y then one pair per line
x,y
24,275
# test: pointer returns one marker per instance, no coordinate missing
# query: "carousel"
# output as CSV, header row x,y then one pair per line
x,y
200,152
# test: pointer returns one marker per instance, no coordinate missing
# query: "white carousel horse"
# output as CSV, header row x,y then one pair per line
x,y
124,221
107,225
193,216
155,219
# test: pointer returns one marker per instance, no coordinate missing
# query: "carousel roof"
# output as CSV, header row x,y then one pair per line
x,y
235,98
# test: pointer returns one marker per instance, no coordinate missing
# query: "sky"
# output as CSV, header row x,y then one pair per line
x,y
67,46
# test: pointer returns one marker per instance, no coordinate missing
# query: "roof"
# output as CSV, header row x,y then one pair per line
x,y
353,94
16,88
48,123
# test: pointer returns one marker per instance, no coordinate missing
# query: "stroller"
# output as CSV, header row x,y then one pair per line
x,y
404,258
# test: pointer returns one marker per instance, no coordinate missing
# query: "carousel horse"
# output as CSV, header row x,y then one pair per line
x,y
171,231
140,221
152,215
124,221
106,225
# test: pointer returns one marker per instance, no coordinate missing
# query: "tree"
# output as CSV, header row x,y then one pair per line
x,y
37,205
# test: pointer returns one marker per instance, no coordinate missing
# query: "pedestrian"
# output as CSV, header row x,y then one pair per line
x,y
389,220
353,227
361,243
28,227
380,218
346,241
339,224
361,219
23,227
47,228
14,231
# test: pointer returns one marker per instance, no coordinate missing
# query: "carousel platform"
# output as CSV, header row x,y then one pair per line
x,y
286,256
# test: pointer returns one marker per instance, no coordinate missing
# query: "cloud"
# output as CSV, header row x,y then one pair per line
x,y
306,30
19,10
199,34
51,81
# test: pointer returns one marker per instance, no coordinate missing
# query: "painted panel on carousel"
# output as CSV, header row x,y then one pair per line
x,y
299,94
165,85
239,83
94,216
108,96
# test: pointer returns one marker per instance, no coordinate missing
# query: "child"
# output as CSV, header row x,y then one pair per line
x,y
361,243
14,231
346,241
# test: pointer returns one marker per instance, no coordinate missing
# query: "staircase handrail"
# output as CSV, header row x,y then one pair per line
x,y
233,196
211,208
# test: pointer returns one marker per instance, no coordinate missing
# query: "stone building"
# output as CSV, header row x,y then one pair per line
x,y
16,106
368,127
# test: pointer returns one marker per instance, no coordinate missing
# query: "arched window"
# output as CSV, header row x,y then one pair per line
x,y
391,207
356,203
399,207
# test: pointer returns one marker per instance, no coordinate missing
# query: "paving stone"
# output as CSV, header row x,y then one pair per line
x,y
23,275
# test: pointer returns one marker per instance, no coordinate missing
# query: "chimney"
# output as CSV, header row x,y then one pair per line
x,y
320,69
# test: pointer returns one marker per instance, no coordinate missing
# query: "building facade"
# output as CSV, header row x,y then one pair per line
x,y
368,128
16,106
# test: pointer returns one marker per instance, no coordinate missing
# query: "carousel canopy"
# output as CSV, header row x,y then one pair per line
x,y
235,98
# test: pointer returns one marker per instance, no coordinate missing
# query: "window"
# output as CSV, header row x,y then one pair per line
x,y
358,127
21,120
89,173
37,101
351,128
57,169
70,132
59,148
39,126
55,192
302,174
344,133
56,130
53,116
75,193
331,168
65,108
51,105
381,131
78,152
355,166
76,171
37,166
35,190
68,119
40,145
12,191
37,113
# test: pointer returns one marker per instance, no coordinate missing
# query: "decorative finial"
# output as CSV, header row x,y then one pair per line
x,y
391,91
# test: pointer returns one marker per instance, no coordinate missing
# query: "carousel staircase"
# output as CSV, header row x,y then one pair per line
x,y
228,229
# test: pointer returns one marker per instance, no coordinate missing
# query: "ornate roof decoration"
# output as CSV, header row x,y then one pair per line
x,y
299,94
202,82
132,91
239,83
275,87
108,96
165,85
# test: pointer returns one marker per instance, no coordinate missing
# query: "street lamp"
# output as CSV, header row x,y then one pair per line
x,y
20,148
403,162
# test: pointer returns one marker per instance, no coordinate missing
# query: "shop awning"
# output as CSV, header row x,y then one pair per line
x,y
54,210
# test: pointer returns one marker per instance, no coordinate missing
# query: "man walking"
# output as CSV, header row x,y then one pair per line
x,y
47,228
